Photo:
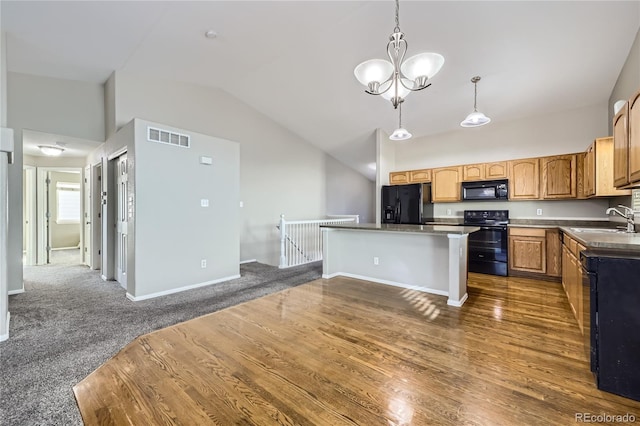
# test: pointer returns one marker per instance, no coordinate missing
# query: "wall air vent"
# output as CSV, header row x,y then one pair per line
x,y
165,136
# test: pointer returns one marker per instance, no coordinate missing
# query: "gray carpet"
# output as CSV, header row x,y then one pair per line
x,y
69,322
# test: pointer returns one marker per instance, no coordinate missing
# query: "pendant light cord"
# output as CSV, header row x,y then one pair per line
x,y
475,96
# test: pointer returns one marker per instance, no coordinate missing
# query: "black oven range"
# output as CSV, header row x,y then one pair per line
x,y
488,247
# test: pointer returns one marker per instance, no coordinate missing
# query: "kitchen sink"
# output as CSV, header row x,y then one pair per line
x,y
602,230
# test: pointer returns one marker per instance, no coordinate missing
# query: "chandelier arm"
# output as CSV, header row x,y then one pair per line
x,y
382,84
413,89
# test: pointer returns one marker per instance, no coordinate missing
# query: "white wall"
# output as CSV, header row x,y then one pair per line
x,y
38,161
561,133
173,233
628,81
280,172
51,105
348,192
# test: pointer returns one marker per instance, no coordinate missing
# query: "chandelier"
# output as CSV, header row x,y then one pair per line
x,y
396,79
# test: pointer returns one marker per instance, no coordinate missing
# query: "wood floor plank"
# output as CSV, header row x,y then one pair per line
x,y
349,352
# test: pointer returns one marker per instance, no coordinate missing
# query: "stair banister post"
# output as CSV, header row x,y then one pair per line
x,y
283,257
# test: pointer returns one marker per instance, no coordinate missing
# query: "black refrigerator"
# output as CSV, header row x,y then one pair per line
x,y
409,204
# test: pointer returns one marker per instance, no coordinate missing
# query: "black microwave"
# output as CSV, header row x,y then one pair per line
x,y
485,190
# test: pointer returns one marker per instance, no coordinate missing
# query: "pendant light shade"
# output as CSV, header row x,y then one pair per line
x,y
476,118
400,134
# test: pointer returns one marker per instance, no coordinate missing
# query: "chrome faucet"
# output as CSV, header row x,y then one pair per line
x,y
628,214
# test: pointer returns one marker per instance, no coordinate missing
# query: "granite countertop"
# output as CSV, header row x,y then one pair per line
x,y
595,239
419,229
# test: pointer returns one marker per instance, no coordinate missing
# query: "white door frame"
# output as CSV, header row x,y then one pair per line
x,y
122,195
96,216
86,217
29,215
109,214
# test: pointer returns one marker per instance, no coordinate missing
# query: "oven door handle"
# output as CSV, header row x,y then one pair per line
x,y
489,228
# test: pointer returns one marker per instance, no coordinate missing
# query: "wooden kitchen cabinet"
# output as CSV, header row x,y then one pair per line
x,y
397,178
598,170
621,147
484,171
634,138
572,277
524,179
559,176
445,184
528,250
554,252
496,170
471,172
417,176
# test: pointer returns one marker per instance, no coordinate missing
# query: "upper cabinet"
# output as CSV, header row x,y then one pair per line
x,y
626,142
598,170
524,179
397,178
471,172
559,176
445,185
634,138
497,170
621,147
484,171
417,176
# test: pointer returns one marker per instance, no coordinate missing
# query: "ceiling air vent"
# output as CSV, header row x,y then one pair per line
x,y
165,136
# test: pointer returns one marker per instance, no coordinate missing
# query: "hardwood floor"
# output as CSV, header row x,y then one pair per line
x,y
344,351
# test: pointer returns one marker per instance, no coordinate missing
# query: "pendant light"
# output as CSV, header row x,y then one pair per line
x,y
400,134
52,150
476,118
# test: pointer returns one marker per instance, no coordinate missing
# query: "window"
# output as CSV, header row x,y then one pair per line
x,y
68,202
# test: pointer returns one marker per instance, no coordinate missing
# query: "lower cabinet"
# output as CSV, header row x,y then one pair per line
x,y
535,252
572,277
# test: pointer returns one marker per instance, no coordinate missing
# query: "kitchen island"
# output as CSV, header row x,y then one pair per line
x,y
429,258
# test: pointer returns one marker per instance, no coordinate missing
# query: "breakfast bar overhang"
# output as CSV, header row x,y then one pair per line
x,y
429,258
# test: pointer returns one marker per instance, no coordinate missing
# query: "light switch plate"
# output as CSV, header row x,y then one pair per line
x,y
204,203
539,212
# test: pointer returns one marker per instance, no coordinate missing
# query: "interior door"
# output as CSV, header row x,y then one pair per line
x,y
86,251
122,185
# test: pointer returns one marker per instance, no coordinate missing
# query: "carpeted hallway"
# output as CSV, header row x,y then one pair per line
x,y
68,322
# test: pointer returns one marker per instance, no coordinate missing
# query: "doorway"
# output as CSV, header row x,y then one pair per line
x,y
58,215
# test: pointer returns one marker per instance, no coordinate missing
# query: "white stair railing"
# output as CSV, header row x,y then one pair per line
x,y
301,240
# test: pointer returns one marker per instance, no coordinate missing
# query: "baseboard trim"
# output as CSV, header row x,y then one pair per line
x,y
180,289
387,282
12,292
5,336
248,261
458,303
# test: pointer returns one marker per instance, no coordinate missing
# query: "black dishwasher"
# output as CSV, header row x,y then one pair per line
x,y
614,316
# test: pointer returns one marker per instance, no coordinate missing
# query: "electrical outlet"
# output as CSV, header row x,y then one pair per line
x,y
204,202
448,212
376,261
539,212
203,263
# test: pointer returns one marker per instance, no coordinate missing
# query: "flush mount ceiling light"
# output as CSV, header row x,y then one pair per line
x,y
396,79
400,134
51,150
476,118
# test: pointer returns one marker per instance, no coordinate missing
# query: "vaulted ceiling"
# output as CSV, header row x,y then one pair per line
x,y
294,60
